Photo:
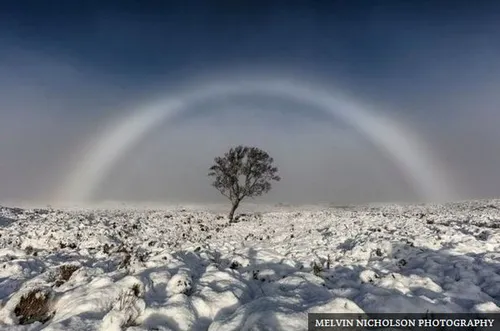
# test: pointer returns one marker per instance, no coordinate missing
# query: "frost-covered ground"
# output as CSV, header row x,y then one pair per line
x,y
192,270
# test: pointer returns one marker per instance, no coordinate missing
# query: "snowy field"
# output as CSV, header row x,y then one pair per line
x,y
189,269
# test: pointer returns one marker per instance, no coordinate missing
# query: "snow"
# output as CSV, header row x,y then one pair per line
x,y
190,269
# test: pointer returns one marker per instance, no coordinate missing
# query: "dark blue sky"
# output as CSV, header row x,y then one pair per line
x,y
67,67
139,42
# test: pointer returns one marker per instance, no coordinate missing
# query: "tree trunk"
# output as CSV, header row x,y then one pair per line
x,y
233,209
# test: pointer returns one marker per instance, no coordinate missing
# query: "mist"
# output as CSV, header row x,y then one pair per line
x,y
320,160
445,89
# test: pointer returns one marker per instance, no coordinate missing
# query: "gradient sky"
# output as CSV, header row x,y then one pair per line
x,y
68,67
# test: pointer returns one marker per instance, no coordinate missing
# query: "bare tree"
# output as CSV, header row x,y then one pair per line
x,y
243,172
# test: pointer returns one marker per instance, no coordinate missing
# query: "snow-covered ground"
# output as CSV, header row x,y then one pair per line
x,y
178,269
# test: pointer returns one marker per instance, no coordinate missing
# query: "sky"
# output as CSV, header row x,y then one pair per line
x,y
70,68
